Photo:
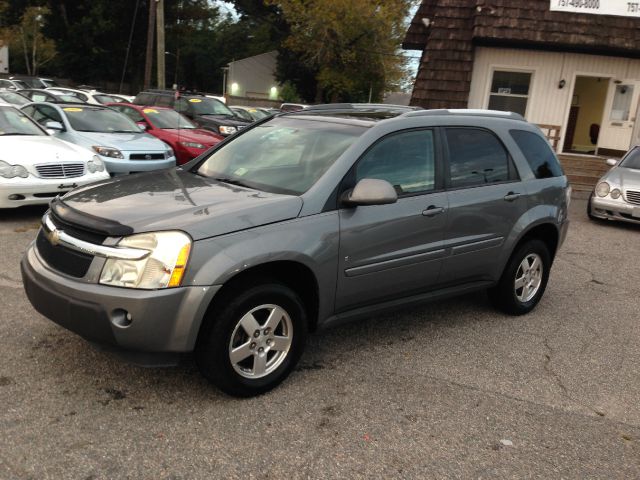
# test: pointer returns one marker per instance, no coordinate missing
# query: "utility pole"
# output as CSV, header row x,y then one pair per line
x,y
148,64
160,48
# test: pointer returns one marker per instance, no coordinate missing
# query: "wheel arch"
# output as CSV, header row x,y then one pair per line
x,y
294,274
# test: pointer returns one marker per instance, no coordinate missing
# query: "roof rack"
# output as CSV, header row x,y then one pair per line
x,y
466,112
359,106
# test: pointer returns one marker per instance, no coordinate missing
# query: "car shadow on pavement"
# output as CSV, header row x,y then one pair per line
x,y
327,350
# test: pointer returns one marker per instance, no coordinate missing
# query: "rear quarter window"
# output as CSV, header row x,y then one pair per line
x,y
538,154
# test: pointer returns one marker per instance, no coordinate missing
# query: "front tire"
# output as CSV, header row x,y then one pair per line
x,y
524,279
252,339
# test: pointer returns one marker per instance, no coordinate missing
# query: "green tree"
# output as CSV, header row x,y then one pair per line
x,y
351,45
28,37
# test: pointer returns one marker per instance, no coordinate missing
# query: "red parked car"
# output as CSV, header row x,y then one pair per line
x,y
187,140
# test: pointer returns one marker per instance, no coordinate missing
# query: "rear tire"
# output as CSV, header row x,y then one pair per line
x,y
523,280
252,339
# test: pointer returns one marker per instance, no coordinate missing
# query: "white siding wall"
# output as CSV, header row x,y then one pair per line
x,y
549,104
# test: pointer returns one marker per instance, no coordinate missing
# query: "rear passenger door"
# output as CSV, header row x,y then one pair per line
x,y
486,198
392,251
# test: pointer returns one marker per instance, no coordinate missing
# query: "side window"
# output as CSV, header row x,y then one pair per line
x,y
476,157
182,105
132,113
43,114
406,160
30,110
538,153
5,84
164,101
144,99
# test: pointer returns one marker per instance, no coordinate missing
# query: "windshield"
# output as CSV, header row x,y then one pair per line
x,y
209,106
69,98
21,84
284,155
632,160
14,98
167,119
49,83
105,120
14,122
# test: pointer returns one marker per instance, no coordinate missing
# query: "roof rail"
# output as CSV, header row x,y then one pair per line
x,y
466,112
359,106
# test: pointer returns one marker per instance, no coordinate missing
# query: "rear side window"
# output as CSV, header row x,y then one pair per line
x,y
476,157
164,101
538,153
144,99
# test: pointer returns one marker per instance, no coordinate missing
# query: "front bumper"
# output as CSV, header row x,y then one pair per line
x,y
165,320
620,210
124,166
40,191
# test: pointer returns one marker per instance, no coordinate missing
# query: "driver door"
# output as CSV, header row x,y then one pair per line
x,y
393,251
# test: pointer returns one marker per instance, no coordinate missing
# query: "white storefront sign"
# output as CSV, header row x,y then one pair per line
x,y
620,8
4,58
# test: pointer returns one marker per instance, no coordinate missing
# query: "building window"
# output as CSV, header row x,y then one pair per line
x,y
510,91
622,103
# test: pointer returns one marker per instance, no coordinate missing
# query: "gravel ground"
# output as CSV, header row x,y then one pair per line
x,y
450,390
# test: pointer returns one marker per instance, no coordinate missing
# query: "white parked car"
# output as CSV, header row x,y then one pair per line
x,y
36,167
90,96
617,194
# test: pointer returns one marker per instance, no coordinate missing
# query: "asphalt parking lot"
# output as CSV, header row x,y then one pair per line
x,y
450,390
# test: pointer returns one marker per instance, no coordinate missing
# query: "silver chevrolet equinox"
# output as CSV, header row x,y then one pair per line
x,y
302,221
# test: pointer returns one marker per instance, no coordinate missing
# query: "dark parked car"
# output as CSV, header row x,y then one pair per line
x,y
206,112
299,222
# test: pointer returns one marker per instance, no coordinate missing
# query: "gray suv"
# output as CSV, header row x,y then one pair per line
x,y
302,221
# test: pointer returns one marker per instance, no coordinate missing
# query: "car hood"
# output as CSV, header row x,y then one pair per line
x,y
625,178
223,120
195,135
130,142
41,149
175,199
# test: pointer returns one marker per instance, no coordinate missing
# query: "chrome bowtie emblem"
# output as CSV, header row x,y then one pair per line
x,y
53,237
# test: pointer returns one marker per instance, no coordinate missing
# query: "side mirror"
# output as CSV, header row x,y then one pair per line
x,y
612,162
53,127
144,126
370,191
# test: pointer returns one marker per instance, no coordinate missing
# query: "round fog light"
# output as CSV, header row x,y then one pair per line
x,y
121,318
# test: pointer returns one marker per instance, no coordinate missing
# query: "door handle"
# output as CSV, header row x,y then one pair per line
x,y
511,196
432,211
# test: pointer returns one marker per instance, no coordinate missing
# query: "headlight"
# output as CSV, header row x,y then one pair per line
x,y
227,130
108,152
169,153
193,145
11,171
615,194
95,165
163,268
602,190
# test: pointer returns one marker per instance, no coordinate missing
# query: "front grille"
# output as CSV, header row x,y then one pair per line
x,y
633,197
146,156
63,259
60,170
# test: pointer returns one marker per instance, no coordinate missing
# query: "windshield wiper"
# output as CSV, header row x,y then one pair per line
x,y
123,131
14,134
232,181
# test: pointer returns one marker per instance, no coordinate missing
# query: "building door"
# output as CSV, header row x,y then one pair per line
x,y
617,131
584,122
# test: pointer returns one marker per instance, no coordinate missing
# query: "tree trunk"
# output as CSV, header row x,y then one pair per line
x,y
26,52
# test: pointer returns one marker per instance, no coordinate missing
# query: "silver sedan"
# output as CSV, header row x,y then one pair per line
x,y
617,194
